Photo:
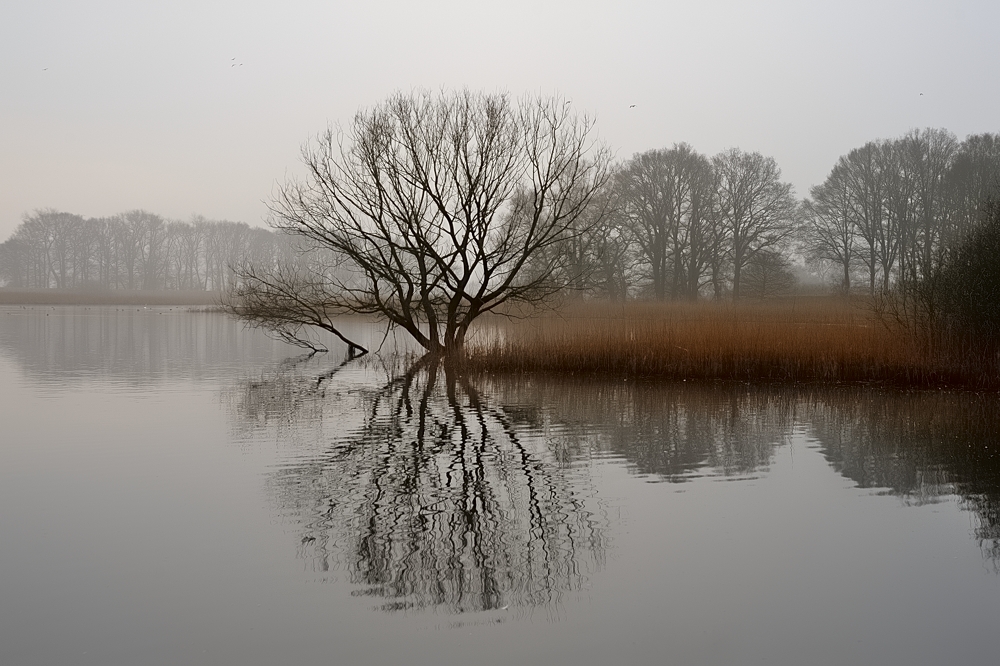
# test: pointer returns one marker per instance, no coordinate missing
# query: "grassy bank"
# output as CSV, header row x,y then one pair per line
x,y
816,339
112,297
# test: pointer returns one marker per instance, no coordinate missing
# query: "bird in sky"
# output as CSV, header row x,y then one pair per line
x,y
631,106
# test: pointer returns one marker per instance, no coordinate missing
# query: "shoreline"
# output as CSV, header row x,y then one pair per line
x,y
32,297
797,342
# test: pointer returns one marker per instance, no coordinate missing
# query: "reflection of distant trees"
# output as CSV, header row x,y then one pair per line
x,y
918,445
67,343
672,431
433,497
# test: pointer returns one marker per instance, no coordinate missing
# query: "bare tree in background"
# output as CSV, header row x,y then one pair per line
x,y
435,205
667,199
592,258
768,274
973,180
829,231
757,209
646,186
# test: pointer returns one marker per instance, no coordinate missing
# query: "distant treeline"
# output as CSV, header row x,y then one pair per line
x,y
893,210
673,224
134,250
685,225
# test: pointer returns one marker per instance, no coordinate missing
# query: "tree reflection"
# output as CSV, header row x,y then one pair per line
x,y
435,497
920,446
432,490
667,431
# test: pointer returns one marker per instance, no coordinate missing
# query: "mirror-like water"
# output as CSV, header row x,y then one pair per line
x,y
178,490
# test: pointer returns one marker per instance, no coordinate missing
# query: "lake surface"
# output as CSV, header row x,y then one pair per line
x,y
177,490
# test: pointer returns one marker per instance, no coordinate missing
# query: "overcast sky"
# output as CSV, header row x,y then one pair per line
x,y
186,108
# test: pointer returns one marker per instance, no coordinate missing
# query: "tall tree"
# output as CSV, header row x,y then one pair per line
x,y
667,199
829,231
972,181
435,205
757,209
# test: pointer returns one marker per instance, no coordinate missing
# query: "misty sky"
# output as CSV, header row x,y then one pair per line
x,y
202,107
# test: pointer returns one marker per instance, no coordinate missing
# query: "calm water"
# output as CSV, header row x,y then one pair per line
x,y
176,490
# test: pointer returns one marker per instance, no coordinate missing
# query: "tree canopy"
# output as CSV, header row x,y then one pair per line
x,y
435,209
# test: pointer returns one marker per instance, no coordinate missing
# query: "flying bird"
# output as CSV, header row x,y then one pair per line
x,y
631,106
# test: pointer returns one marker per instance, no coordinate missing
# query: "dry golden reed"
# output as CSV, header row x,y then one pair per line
x,y
827,339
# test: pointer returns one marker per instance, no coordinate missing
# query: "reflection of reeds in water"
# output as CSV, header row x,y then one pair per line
x,y
437,499
821,339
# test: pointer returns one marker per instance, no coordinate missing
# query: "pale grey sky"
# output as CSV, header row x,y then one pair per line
x,y
109,106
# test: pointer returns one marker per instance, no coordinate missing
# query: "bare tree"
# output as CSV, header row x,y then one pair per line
x,y
668,202
829,230
645,184
758,210
435,205
591,258
973,180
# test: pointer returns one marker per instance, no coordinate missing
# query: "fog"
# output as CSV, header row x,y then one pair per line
x,y
202,107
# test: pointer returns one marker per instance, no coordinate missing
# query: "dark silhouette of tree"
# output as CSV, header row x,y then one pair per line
x,y
436,206
964,293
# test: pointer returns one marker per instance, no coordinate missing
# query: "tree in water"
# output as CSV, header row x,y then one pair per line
x,y
437,208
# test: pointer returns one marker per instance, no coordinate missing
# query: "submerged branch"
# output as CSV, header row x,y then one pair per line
x,y
285,302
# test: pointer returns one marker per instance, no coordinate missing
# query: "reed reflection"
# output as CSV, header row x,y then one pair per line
x,y
434,497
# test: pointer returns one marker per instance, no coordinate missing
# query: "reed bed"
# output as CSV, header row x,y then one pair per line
x,y
816,339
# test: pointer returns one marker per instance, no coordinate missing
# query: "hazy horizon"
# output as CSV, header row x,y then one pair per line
x,y
201,108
